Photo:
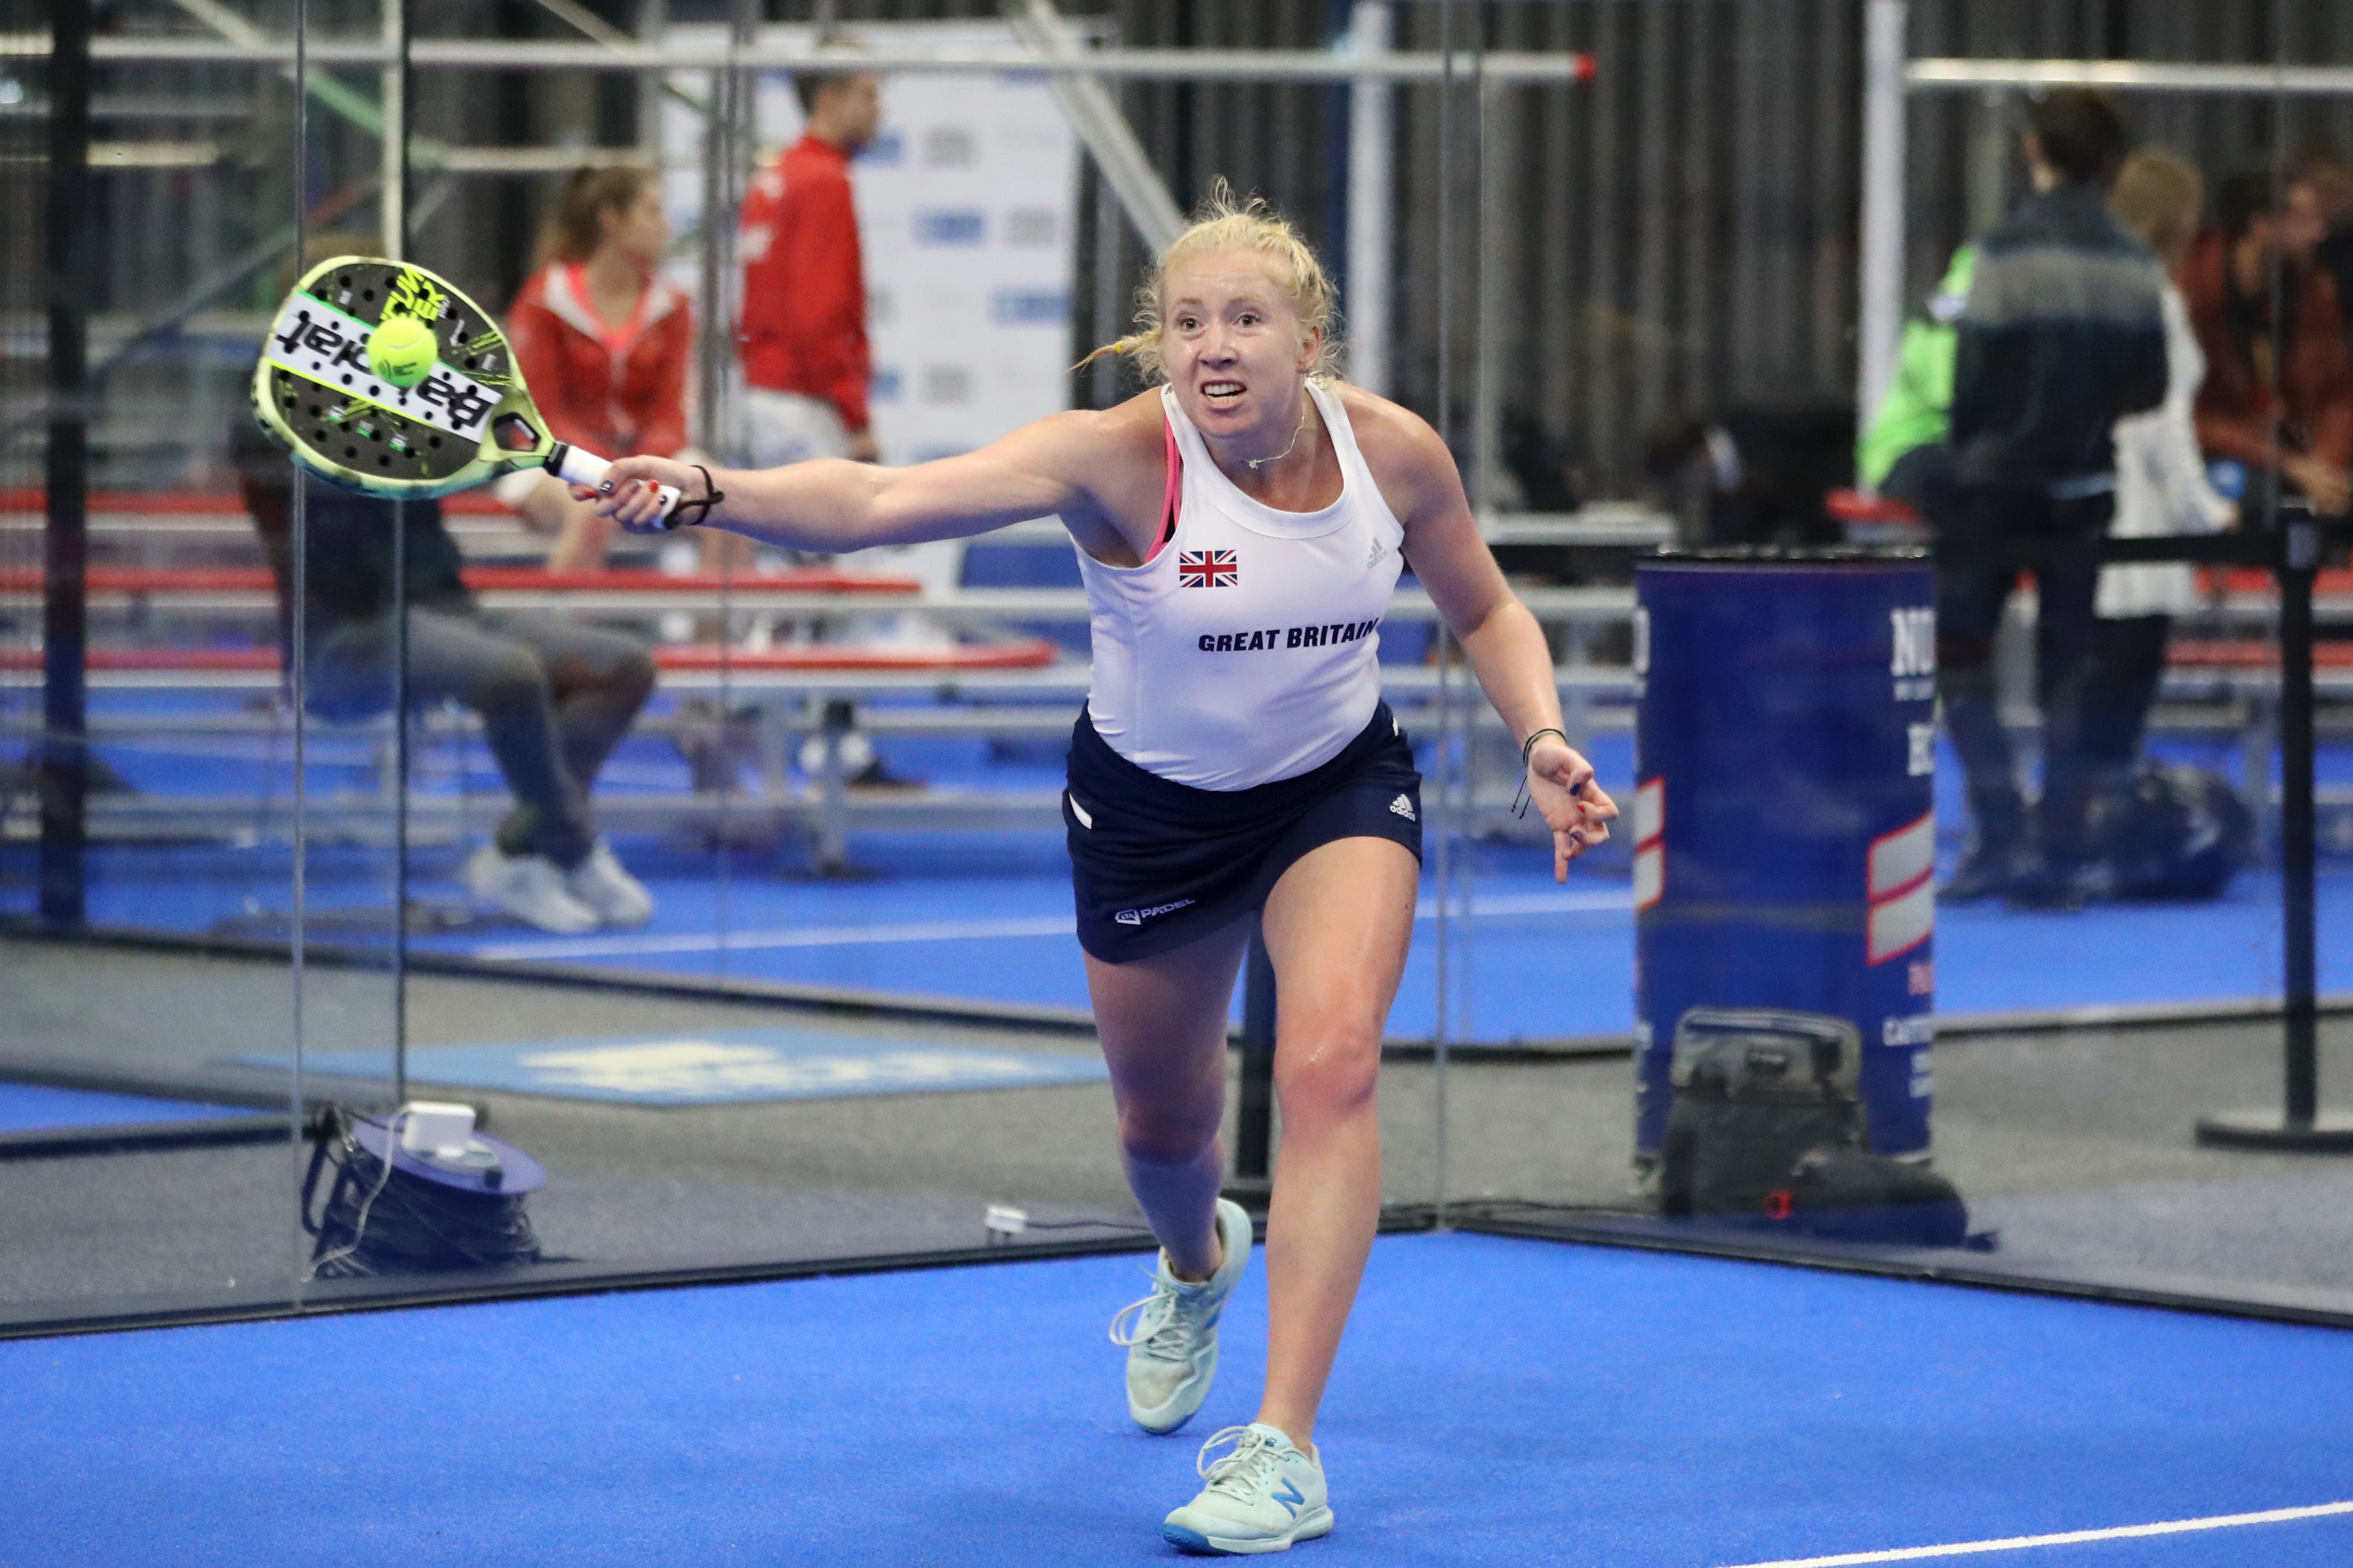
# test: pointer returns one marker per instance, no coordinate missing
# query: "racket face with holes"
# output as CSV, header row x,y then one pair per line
x,y
314,393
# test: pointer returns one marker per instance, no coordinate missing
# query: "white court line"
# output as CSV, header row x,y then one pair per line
x,y
797,936
2071,1538
959,931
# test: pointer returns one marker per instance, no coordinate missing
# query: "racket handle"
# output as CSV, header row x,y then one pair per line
x,y
574,467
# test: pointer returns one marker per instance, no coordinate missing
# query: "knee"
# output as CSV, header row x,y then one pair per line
x,y
515,679
634,677
1167,1134
1327,1073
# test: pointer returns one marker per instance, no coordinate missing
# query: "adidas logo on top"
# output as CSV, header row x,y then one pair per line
x,y
1403,807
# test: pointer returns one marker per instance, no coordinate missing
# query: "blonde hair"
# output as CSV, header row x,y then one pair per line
x,y
1226,222
2157,197
574,225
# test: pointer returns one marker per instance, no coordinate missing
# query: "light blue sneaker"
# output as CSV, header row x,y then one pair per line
x,y
1172,1334
1261,1497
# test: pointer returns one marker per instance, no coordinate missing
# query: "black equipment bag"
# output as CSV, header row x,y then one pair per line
x,y
1849,1194
1768,1134
2170,832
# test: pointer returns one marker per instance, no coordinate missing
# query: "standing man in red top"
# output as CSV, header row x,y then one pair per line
x,y
803,329
803,332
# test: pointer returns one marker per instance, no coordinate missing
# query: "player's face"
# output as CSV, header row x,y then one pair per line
x,y
1234,350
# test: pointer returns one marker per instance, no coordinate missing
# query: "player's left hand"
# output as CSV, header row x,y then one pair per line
x,y
1577,809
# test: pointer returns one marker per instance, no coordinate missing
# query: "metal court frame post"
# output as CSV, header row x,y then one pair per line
x,y
398,90
65,606
2300,1124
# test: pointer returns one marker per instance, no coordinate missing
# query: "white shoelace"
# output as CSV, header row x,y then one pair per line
x,y
1166,1334
1243,1473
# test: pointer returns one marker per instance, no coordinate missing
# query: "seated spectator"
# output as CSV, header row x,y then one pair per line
x,y
603,344
555,697
2162,483
2278,396
2329,180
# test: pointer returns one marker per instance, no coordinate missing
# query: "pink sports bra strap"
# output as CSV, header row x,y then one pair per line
x,y
1172,497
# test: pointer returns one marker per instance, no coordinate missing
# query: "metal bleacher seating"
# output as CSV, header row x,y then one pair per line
x,y
180,603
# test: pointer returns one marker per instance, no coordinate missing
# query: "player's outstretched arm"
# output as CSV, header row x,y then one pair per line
x,y
1499,637
836,506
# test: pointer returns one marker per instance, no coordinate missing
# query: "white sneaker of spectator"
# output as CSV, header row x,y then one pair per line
x,y
532,888
605,886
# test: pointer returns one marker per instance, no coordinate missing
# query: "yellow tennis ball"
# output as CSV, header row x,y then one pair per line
x,y
402,350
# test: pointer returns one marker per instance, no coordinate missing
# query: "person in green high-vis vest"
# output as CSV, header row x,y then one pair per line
x,y
1902,455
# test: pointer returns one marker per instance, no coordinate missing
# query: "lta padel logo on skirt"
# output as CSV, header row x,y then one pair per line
x,y
1209,568
1137,916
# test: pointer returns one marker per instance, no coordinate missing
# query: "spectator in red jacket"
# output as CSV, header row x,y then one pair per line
x,y
2278,395
603,344
803,331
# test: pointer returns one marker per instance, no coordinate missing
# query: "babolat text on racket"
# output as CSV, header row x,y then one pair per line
x,y
382,378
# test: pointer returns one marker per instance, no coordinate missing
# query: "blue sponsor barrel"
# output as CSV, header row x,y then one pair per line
x,y
1784,814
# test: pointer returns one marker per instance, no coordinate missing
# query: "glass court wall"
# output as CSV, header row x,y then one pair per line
x,y
2120,1086
1628,276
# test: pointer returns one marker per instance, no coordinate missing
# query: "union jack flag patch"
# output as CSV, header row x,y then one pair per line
x,y
1207,568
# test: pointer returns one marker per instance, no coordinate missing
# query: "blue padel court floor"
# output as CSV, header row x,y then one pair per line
x,y
40,1108
986,918
1497,1402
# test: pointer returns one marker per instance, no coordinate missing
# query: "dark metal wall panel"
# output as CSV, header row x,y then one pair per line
x,y
1680,234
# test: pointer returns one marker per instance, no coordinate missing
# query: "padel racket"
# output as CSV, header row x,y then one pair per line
x,y
383,379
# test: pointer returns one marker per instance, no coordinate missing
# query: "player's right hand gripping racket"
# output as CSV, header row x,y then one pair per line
x,y
382,378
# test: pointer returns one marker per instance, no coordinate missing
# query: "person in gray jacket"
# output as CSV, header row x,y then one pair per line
x,y
2063,335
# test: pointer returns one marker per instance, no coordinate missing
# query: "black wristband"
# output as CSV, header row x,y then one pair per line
x,y
1529,744
712,496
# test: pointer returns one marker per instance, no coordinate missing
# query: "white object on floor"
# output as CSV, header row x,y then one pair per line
x,y
427,1126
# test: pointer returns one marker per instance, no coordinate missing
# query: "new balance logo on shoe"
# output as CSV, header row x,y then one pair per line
x,y
1289,1497
1403,807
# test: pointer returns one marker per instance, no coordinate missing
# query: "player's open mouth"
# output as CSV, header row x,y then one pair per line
x,y
1221,391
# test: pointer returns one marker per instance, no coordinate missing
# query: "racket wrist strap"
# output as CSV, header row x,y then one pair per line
x,y
1523,797
712,496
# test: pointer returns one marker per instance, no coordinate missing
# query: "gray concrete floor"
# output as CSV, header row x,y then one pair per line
x,y
2076,1146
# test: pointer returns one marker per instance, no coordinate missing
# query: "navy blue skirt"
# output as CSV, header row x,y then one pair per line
x,y
1155,864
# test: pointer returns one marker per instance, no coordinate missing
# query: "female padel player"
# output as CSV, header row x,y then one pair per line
x,y
1240,529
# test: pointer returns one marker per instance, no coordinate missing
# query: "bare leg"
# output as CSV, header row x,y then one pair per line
x,y
1163,1023
1337,926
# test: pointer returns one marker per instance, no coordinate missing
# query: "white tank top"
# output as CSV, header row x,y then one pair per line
x,y
1246,649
